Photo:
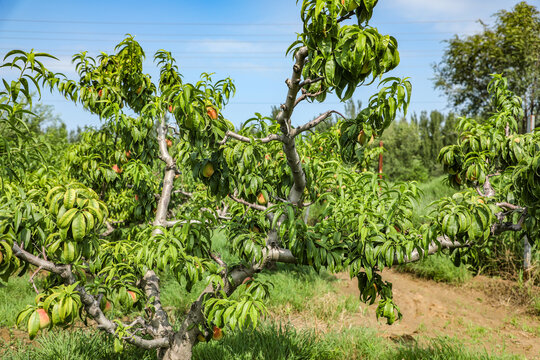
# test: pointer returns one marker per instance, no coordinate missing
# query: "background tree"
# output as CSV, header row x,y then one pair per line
x,y
511,47
497,172
402,152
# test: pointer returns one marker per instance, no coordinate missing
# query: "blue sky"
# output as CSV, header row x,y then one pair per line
x,y
244,40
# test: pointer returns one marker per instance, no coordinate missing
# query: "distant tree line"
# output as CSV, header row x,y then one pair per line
x,y
411,147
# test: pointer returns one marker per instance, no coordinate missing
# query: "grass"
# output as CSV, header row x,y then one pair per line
x,y
14,296
431,191
293,285
74,345
439,268
268,342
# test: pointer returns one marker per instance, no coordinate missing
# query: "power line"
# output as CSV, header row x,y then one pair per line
x,y
92,33
233,53
94,22
182,41
140,34
221,41
213,24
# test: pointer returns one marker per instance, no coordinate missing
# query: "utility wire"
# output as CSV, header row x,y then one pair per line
x,y
251,34
212,24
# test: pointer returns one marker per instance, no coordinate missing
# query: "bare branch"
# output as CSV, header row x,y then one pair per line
x,y
233,135
506,205
171,223
314,122
445,243
346,16
109,231
284,116
218,260
501,227
31,280
244,202
182,192
488,189
309,81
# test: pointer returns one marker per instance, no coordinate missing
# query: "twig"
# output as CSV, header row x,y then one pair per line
x,y
309,81
305,95
506,205
31,280
244,202
345,17
109,231
220,262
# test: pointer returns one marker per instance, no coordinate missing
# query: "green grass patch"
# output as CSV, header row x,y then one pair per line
x,y
438,268
275,342
267,342
432,190
445,348
301,289
14,296
75,345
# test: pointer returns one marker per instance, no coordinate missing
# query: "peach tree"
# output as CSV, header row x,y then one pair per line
x,y
497,172
143,195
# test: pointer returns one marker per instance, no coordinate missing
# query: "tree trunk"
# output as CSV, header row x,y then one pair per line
x,y
181,347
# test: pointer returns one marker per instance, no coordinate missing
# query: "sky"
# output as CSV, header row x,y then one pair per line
x,y
243,40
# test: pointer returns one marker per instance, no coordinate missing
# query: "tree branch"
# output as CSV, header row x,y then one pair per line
x,y
488,189
244,202
159,319
314,122
509,206
445,243
284,116
171,223
233,135
305,95
109,231
168,178
309,81
345,17
499,228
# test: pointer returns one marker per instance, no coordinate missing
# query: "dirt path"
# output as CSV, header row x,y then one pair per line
x,y
432,309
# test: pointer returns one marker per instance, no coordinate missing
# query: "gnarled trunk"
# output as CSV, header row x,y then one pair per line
x,y
181,347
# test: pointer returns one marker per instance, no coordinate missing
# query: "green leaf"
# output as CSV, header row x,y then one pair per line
x,y
66,218
78,227
33,325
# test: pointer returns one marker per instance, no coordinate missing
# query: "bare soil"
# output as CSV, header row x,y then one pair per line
x,y
484,314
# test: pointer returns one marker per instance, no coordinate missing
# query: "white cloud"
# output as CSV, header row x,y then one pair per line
x,y
451,12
